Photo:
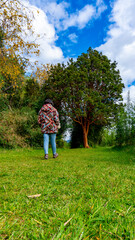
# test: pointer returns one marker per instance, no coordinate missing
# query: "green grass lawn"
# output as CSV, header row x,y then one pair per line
x,y
85,194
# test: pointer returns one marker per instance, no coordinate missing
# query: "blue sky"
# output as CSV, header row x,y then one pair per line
x,y
69,28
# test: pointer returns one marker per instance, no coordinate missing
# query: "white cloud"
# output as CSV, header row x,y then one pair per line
x,y
49,52
120,42
73,37
81,18
55,17
101,7
62,19
56,12
48,49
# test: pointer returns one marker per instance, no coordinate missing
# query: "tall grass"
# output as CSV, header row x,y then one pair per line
x,y
85,194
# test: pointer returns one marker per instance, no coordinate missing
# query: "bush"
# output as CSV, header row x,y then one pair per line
x,y
108,137
19,128
60,142
125,126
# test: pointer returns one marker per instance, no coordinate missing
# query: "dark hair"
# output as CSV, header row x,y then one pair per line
x,y
49,101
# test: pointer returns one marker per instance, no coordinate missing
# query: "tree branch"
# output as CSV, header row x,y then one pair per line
x,y
3,4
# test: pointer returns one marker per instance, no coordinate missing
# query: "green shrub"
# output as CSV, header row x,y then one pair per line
x,y
8,136
60,142
19,128
35,137
125,126
108,137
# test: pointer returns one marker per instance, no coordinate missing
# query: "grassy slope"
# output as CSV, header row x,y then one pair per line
x,y
92,188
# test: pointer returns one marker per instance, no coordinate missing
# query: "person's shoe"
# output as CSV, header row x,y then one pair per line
x,y
46,156
55,155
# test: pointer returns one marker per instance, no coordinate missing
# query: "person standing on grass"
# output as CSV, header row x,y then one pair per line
x,y
48,119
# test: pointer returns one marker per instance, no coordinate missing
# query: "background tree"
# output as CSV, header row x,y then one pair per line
x,y
94,135
41,73
31,93
15,46
16,24
53,89
125,125
88,89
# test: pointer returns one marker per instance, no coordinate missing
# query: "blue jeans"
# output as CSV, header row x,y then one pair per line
x,y
46,142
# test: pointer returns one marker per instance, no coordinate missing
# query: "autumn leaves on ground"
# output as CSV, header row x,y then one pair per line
x,y
85,194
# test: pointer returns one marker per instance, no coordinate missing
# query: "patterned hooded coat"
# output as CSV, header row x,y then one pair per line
x,y
48,118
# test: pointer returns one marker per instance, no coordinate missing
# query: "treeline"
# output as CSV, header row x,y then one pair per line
x,y
19,127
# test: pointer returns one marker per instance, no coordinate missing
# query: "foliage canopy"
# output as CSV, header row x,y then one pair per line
x,y
15,46
88,89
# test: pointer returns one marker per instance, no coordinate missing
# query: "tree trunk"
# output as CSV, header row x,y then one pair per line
x,y
85,137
